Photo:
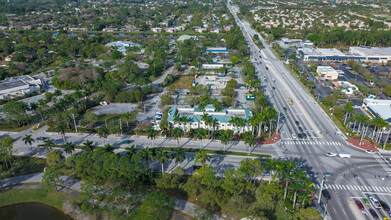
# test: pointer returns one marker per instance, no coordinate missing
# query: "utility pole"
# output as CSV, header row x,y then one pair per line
x,y
74,121
120,125
278,120
321,187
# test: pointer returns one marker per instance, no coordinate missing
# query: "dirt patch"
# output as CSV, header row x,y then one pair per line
x,y
184,82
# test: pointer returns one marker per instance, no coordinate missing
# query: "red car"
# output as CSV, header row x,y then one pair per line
x,y
359,204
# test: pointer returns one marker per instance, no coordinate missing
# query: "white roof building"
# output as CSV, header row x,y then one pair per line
x,y
348,88
380,108
327,72
18,86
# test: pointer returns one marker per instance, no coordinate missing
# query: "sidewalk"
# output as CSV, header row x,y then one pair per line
x,y
72,187
366,145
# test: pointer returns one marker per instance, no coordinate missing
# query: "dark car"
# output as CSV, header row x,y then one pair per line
x,y
297,123
126,142
266,68
284,109
300,136
374,214
326,194
304,135
273,87
385,206
42,138
300,129
359,204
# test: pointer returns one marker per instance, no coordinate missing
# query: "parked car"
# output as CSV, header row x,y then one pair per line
x,y
297,123
300,129
374,214
126,142
42,138
385,206
359,204
366,201
304,135
374,201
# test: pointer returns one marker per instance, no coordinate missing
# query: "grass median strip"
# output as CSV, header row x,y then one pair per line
x,y
221,152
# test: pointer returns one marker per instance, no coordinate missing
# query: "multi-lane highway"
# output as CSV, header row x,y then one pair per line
x,y
362,170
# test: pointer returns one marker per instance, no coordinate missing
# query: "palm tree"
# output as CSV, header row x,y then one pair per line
x,y
271,166
177,133
177,119
206,119
48,144
88,146
28,139
69,147
201,157
234,121
162,156
262,102
166,132
108,148
213,124
250,140
253,121
179,155
260,119
226,138
152,133
200,134
61,128
383,124
271,115
349,110
241,122
184,121
103,132
127,116
146,154
130,151
284,170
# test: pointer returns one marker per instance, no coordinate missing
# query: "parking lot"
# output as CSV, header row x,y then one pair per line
x,y
363,212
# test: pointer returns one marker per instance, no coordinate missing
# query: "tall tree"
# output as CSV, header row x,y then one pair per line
x,y
179,155
152,133
200,134
202,157
103,132
28,139
88,146
48,144
162,156
225,138
69,147
177,133
250,140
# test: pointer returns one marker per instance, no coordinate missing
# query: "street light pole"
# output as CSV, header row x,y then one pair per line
x,y
74,121
320,191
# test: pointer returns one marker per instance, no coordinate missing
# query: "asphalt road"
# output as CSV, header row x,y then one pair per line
x,y
323,135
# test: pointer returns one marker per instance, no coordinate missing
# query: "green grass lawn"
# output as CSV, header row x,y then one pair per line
x,y
221,152
55,199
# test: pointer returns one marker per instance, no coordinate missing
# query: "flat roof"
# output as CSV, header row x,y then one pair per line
x,y
372,51
229,113
12,84
217,48
326,69
330,52
379,107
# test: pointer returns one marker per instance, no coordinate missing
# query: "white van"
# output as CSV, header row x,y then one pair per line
x,y
344,154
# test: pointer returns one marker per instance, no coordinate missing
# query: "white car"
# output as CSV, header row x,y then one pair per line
x,y
331,154
370,151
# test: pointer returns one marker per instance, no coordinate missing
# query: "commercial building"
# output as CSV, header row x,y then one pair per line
x,y
365,54
378,108
223,117
18,86
346,86
216,50
210,66
373,54
327,72
214,82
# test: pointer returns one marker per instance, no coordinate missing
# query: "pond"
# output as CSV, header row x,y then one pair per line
x,y
31,210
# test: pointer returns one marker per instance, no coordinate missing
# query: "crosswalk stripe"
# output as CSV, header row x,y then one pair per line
x,y
337,186
376,189
348,187
366,189
343,186
356,188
